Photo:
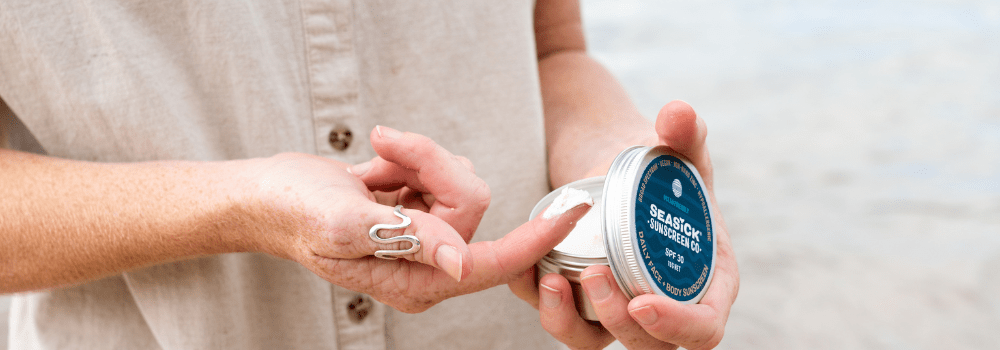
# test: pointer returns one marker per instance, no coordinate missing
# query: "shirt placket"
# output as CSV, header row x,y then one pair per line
x,y
333,83
333,80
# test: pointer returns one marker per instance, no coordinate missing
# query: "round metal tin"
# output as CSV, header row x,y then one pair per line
x,y
570,262
670,252
657,225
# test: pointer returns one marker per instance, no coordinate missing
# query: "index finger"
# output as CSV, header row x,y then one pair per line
x,y
461,197
504,260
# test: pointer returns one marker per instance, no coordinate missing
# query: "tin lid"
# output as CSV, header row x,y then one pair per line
x,y
658,225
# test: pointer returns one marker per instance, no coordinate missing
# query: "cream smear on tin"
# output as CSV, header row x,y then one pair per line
x,y
586,239
567,199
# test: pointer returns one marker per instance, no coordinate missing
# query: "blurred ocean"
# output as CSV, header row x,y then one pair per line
x,y
857,158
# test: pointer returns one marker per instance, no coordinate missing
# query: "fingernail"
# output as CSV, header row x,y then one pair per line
x,y
449,260
597,286
385,131
645,315
551,297
360,169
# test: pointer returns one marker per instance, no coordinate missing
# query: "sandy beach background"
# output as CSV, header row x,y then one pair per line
x,y
857,156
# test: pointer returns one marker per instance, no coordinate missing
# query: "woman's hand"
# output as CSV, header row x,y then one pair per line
x,y
647,321
314,211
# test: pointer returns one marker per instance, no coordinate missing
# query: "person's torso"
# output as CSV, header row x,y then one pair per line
x,y
126,81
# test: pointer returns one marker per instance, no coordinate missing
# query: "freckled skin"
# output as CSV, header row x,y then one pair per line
x,y
66,222
113,214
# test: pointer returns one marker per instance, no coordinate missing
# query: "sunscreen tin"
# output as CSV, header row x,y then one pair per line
x,y
657,227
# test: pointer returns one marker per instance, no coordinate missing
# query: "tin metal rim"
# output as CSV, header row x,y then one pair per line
x,y
619,198
620,188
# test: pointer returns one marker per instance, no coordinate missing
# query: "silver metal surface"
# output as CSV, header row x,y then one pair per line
x,y
566,264
394,254
619,191
620,188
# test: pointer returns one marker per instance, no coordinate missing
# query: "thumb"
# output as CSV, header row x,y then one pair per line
x,y
680,128
696,326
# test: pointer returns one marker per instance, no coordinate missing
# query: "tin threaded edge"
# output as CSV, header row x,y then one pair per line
x,y
621,250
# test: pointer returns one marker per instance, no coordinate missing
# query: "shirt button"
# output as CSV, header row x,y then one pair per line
x,y
359,307
340,137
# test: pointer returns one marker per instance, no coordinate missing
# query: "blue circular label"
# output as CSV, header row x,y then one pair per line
x,y
673,227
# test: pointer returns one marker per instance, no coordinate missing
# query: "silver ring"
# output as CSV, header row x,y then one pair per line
x,y
394,254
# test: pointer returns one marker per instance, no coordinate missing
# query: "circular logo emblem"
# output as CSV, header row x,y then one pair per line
x,y
677,188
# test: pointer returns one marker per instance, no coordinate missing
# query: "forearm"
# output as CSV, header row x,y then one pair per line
x,y
589,117
64,222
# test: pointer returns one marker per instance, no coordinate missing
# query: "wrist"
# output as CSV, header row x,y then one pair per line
x,y
257,207
237,219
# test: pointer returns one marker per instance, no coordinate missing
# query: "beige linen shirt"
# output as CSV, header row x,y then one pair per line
x,y
127,81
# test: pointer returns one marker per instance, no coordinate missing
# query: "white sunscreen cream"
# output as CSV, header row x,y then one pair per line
x,y
567,199
586,238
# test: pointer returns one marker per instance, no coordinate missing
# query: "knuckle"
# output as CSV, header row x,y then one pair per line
x,y
345,245
674,333
418,303
708,342
396,292
703,335
617,321
559,330
423,146
467,163
481,194
716,339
